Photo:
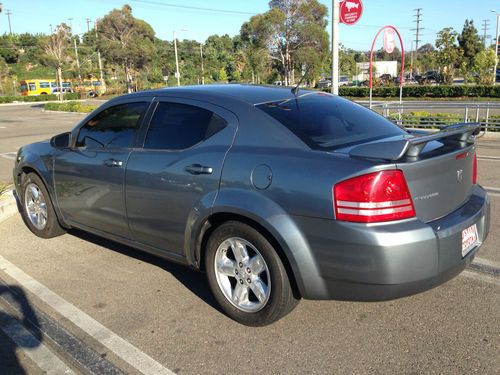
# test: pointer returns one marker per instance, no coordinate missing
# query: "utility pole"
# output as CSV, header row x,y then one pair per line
x,y
177,74
51,30
335,46
70,25
485,30
496,47
8,13
88,24
77,61
417,20
202,69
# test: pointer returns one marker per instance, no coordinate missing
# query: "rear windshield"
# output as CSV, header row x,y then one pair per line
x,y
327,122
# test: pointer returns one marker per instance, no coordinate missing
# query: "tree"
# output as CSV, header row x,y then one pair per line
x,y
449,55
4,73
56,49
126,41
289,26
483,65
469,41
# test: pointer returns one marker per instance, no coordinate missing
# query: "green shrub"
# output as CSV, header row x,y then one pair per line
x,y
418,91
69,107
38,98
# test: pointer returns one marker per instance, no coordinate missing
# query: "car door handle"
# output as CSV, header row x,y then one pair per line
x,y
113,163
198,169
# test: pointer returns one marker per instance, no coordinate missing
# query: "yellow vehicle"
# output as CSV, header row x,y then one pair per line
x,y
31,87
92,88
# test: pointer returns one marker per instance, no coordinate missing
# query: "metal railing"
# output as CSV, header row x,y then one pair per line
x,y
437,115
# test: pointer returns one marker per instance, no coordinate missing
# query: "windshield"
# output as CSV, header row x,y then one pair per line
x,y
327,122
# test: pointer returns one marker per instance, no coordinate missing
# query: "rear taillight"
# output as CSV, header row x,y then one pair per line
x,y
474,170
373,197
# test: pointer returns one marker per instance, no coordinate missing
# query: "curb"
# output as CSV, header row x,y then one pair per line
x,y
8,206
74,113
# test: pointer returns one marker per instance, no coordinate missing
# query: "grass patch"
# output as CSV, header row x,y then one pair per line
x,y
3,188
70,107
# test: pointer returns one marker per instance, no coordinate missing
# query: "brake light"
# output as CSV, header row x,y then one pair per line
x,y
373,197
474,169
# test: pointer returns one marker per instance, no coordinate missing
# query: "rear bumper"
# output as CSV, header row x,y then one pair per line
x,y
389,260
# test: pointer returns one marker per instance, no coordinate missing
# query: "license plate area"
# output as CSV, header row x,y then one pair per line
x,y
469,239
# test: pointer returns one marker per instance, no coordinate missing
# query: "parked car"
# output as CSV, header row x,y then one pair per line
x,y
276,195
327,82
430,77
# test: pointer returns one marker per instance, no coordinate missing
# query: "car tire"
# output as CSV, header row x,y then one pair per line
x,y
254,290
37,209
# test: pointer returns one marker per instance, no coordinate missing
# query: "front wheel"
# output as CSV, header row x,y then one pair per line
x,y
38,212
246,275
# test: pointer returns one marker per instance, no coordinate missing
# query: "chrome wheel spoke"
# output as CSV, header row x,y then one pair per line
x,y
239,250
226,266
259,289
240,294
257,265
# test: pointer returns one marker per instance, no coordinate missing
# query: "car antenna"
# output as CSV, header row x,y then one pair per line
x,y
295,89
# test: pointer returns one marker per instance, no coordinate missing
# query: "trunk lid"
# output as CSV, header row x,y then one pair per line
x,y
440,184
438,167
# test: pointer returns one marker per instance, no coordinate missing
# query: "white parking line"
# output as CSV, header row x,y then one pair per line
x,y
480,277
9,155
47,361
485,157
486,262
122,348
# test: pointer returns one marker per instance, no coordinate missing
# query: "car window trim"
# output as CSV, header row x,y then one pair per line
x,y
218,110
76,131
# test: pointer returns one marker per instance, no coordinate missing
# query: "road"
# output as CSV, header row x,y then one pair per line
x,y
81,304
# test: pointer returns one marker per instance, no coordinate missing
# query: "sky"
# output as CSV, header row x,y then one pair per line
x,y
226,17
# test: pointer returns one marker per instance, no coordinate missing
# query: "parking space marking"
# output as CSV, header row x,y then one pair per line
x,y
481,277
122,348
486,262
47,361
488,157
9,155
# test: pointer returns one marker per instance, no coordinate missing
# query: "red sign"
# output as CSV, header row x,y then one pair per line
x,y
350,11
389,41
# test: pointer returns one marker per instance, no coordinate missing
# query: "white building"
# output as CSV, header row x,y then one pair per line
x,y
379,68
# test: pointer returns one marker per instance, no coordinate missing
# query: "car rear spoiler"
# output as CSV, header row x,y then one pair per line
x,y
460,134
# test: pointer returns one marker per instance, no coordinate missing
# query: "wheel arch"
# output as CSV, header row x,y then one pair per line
x,y
267,217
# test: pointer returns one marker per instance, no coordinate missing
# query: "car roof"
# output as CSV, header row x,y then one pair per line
x,y
251,94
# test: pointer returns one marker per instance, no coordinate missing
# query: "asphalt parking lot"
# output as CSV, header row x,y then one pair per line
x,y
82,304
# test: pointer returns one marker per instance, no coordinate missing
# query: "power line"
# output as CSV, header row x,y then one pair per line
x,y
213,10
417,20
485,29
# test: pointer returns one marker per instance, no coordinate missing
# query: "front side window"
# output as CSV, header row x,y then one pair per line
x,y
32,86
44,85
177,126
115,127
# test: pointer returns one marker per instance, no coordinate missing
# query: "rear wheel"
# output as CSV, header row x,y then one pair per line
x,y
246,275
38,212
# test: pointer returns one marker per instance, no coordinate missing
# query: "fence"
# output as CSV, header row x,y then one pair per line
x,y
437,115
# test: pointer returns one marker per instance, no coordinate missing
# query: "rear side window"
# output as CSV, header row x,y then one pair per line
x,y
115,127
44,85
327,122
176,126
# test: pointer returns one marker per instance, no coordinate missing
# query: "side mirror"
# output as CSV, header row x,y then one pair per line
x,y
61,140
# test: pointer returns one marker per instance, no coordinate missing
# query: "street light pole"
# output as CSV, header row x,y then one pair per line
x,y
496,49
202,69
177,74
335,46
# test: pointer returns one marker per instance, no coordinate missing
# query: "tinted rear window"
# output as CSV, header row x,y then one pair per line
x,y
328,122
